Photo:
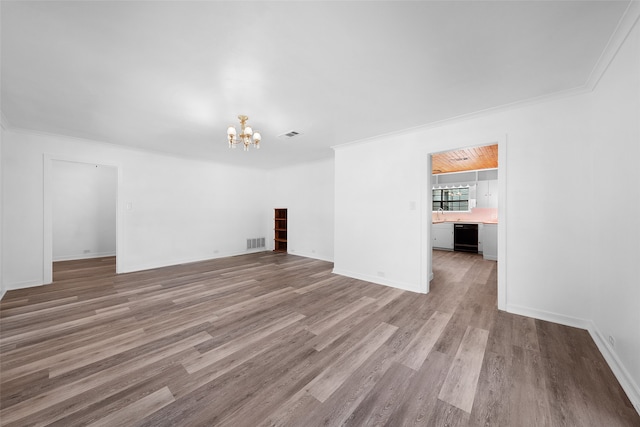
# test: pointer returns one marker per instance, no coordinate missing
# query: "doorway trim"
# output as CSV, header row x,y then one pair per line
x,y
425,218
48,159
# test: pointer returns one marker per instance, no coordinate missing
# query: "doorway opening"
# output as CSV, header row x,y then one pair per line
x,y
84,217
465,202
81,217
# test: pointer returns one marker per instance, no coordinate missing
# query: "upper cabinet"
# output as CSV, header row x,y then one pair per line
x,y
487,194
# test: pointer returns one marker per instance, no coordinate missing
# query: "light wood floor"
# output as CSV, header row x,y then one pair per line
x,y
275,339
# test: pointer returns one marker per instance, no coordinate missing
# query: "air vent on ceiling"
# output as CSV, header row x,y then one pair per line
x,y
289,134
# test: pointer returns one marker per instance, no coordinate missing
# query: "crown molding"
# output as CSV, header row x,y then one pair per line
x,y
581,90
617,39
127,148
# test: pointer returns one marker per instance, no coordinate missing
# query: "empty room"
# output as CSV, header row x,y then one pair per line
x,y
319,213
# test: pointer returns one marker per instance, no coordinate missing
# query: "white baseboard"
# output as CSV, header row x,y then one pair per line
x,y
610,356
626,381
377,280
83,256
312,256
22,285
549,316
178,261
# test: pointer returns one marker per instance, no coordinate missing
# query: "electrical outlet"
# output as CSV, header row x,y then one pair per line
x,y
86,251
612,341
380,273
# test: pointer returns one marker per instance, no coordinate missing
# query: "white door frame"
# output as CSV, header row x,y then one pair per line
x,y
425,219
47,266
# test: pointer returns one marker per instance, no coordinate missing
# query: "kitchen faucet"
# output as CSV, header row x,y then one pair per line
x,y
438,213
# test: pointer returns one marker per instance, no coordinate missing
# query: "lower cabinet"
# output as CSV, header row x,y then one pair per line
x,y
490,241
442,236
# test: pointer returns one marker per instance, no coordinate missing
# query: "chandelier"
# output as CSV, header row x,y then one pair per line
x,y
247,135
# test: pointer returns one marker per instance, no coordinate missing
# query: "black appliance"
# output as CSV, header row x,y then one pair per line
x,y
465,237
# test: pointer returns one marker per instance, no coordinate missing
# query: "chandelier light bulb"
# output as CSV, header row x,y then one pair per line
x,y
231,134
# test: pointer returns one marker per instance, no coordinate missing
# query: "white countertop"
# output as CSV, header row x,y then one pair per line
x,y
463,221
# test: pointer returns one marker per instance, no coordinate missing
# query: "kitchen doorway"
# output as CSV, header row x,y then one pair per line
x,y
466,198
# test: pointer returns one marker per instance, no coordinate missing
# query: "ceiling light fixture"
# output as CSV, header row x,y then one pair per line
x,y
247,135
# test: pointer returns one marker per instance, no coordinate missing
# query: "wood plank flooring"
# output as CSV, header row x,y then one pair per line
x,y
278,340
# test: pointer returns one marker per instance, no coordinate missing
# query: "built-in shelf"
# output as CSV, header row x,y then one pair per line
x,y
280,230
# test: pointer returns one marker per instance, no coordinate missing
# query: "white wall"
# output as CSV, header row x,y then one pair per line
x,y
615,210
307,191
84,210
377,181
170,210
564,261
2,126
377,235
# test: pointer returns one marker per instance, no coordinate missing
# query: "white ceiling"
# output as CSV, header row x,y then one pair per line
x,y
172,76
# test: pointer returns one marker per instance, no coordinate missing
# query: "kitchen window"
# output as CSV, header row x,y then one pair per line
x,y
451,199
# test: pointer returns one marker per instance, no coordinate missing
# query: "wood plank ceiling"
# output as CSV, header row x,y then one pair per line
x,y
465,159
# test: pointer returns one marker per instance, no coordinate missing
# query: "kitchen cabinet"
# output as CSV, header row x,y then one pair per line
x,y
442,236
490,242
487,194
